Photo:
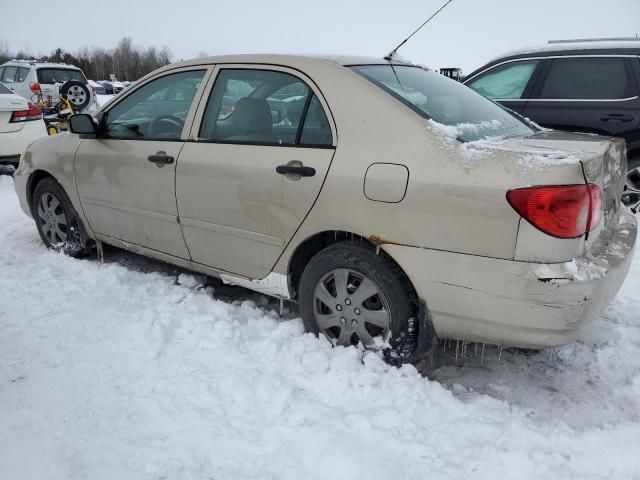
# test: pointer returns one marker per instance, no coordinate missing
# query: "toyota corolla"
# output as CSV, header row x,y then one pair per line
x,y
394,205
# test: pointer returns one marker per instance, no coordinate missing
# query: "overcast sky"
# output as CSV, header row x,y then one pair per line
x,y
466,34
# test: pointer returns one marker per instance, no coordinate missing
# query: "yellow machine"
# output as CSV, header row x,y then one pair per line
x,y
56,116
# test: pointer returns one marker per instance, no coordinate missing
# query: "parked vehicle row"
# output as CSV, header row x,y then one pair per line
x,y
111,87
98,88
241,167
591,87
42,83
114,87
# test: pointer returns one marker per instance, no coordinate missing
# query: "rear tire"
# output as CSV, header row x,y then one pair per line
x,y
352,294
58,222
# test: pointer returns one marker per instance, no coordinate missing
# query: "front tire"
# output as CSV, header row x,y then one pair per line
x,y
58,223
353,294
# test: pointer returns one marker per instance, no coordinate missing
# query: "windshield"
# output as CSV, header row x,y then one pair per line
x,y
59,75
472,116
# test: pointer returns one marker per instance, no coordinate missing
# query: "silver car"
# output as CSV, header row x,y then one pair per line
x,y
394,205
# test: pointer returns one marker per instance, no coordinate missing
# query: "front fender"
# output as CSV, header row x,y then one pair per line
x,y
50,156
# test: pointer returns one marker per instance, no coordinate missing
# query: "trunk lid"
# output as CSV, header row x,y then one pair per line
x,y
603,162
562,158
8,104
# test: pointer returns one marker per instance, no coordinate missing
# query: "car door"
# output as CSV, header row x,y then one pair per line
x,y
586,94
255,166
508,83
126,176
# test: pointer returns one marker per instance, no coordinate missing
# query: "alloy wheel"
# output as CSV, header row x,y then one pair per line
x,y
349,307
76,95
52,219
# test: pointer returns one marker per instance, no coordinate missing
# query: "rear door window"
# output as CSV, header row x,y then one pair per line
x,y
4,89
255,106
316,129
9,75
506,82
60,75
586,78
21,76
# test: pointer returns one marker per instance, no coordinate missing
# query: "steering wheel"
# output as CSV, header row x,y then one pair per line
x,y
174,123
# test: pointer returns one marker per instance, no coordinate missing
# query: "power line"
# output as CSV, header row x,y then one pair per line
x,y
393,52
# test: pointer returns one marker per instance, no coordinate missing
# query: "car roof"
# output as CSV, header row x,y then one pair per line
x,y
562,48
293,60
630,47
37,64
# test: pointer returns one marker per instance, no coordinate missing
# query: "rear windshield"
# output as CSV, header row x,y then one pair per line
x,y
4,89
446,101
59,75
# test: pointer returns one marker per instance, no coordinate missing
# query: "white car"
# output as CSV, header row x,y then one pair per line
x,y
20,124
32,80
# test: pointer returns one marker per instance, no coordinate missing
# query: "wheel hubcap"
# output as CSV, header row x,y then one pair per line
x,y
76,95
52,219
350,308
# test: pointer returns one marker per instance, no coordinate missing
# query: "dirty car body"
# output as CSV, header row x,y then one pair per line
x,y
495,230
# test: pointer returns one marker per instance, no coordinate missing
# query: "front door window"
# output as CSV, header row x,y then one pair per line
x,y
156,111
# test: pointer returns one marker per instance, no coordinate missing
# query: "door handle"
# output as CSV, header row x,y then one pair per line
x,y
296,170
620,117
160,159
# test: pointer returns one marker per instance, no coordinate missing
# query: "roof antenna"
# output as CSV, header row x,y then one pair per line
x,y
390,55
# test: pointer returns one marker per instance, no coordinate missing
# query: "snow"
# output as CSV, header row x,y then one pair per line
x,y
582,269
132,369
529,156
103,99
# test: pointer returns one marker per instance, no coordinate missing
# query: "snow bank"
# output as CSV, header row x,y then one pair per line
x,y
107,372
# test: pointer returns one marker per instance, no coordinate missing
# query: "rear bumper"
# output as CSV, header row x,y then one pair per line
x,y
522,304
13,144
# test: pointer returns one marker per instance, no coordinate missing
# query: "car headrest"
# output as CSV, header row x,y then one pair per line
x,y
252,115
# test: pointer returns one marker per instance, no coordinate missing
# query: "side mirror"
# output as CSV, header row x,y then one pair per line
x,y
84,125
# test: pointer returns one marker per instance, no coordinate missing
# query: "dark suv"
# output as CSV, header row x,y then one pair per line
x,y
584,86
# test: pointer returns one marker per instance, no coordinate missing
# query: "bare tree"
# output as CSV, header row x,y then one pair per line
x,y
127,60
4,51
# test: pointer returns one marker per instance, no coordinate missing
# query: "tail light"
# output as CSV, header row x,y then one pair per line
x,y
35,88
33,113
562,211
